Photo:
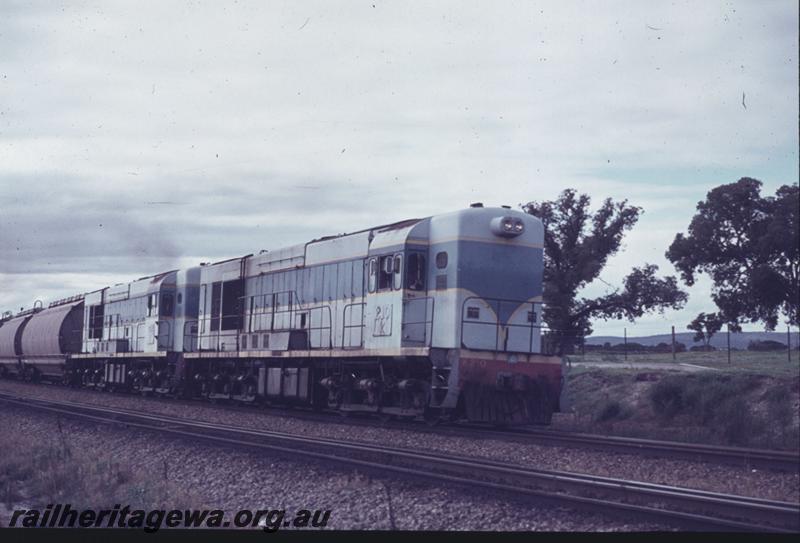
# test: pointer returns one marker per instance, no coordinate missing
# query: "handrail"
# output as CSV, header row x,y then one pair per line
x,y
136,345
114,321
159,324
292,312
549,342
427,339
533,327
346,327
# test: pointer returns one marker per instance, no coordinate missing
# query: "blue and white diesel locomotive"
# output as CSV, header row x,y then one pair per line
x,y
437,318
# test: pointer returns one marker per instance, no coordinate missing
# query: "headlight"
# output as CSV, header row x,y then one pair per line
x,y
507,226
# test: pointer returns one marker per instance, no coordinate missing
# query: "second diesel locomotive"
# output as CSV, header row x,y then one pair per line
x,y
437,318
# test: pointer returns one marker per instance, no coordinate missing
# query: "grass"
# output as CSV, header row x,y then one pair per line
x,y
773,363
716,402
36,473
730,408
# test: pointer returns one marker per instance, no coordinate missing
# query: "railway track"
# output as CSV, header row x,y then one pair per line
x,y
749,458
660,503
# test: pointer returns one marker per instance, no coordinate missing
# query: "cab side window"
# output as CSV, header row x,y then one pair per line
x,y
166,305
372,274
415,271
385,273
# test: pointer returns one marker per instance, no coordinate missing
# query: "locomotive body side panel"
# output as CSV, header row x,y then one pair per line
x,y
187,297
384,307
138,317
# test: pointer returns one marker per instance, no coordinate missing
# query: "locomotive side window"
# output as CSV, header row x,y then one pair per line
x,y
372,275
216,304
202,309
166,305
398,272
441,260
385,273
232,292
96,322
415,274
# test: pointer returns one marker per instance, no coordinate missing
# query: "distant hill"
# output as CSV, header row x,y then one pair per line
x,y
738,341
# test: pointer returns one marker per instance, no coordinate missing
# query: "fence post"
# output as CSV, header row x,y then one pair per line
x,y
625,347
673,343
729,343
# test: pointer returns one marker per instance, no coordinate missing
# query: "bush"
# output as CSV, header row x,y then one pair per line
x,y
766,345
662,348
611,410
704,394
702,348
737,422
781,412
666,397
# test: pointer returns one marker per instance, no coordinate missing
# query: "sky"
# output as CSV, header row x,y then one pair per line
x,y
137,137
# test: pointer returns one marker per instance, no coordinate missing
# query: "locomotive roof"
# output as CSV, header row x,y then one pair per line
x,y
382,228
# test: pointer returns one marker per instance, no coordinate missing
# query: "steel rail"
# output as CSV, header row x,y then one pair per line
x,y
738,456
658,502
748,457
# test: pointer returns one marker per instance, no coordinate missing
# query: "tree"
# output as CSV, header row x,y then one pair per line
x,y
577,245
705,326
750,246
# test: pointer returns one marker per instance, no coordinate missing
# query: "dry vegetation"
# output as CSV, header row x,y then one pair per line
x,y
731,408
34,474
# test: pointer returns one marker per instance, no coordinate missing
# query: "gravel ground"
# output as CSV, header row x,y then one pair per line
x,y
228,479
700,475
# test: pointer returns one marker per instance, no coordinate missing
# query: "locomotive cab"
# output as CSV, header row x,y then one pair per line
x,y
486,278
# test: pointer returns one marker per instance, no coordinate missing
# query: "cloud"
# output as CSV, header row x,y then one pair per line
x,y
259,133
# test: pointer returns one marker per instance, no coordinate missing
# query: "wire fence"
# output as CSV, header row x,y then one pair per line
x,y
724,345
